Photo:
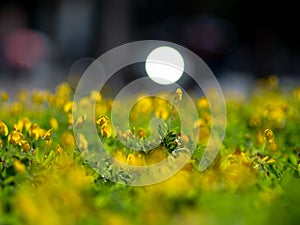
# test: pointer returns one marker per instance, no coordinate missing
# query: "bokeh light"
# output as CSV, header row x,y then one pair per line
x,y
164,65
25,48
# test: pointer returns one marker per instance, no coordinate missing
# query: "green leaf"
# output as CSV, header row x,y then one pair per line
x,y
49,159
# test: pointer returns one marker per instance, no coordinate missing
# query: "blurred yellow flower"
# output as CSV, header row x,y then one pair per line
x,y
3,96
37,97
83,143
95,96
105,128
179,94
135,160
70,118
47,135
162,112
24,123
22,95
59,149
80,121
237,171
106,131
68,107
15,137
53,123
16,108
35,131
84,102
203,103
19,167
67,140
255,121
25,146
63,90
102,121
269,136
120,156
141,133
155,156
3,129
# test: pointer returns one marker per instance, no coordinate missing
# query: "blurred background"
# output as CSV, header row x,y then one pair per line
x,y
44,42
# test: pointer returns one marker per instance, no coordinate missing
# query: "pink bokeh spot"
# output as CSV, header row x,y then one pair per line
x,y
25,48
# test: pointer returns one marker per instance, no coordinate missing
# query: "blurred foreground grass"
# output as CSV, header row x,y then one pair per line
x,y
254,179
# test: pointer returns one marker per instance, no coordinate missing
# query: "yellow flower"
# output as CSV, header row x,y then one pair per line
x,y
203,103
127,134
102,121
63,89
105,128
3,129
237,172
70,119
156,155
297,93
15,137
255,121
142,133
59,149
137,160
19,167
53,123
24,123
144,105
37,97
4,96
67,140
35,131
106,131
269,136
179,94
47,134
273,81
273,146
25,146
268,160
22,95
83,143
84,102
80,121
120,156
16,108
162,112
95,96
68,107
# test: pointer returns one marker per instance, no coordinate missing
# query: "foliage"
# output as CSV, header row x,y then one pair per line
x,y
44,179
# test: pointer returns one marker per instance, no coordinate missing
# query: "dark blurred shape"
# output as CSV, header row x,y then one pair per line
x,y
25,49
73,29
210,36
242,37
11,19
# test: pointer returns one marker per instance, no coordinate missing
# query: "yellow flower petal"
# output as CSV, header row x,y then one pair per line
x,y
47,135
3,129
179,94
80,121
15,137
269,135
53,123
19,167
102,121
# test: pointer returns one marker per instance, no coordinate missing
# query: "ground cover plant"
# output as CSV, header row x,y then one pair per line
x,y
45,179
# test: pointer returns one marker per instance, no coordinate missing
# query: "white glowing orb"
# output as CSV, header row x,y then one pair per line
x,y
164,65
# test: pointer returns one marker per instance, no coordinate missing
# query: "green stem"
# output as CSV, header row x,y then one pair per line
x,y
172,113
